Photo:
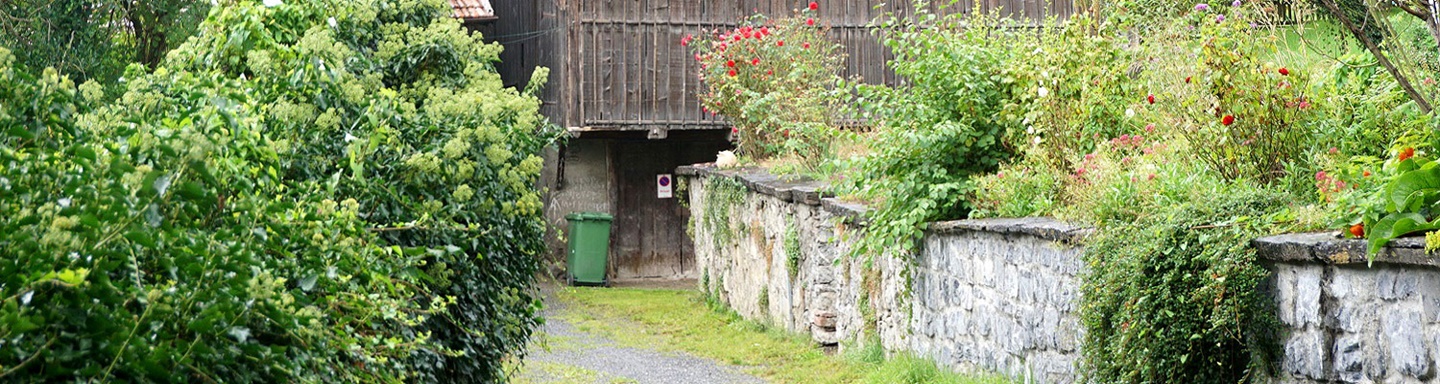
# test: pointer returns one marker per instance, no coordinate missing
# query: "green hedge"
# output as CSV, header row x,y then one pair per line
x,y
316,191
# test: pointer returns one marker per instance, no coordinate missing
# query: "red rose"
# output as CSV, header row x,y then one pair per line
x,y
1407,153
814,6
1227,120
780,43
1150,98
755,61
810,22
805,45
770,72
1284,72
1358,230
730,63
732,73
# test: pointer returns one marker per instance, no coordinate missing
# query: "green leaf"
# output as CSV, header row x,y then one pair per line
x,y
1409,185
141,237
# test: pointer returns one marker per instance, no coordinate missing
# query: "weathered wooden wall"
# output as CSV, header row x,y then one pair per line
x,y
533,33
618,64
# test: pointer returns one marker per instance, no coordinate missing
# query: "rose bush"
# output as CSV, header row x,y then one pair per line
x,y
777,81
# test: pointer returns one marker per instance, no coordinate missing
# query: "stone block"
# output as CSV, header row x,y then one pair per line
x,y
1408,355
1430,296
1352,317
1305,355
824,319
1349,358
1396,284
1307,297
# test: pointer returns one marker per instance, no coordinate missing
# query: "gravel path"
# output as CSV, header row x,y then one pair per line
x,y
576,356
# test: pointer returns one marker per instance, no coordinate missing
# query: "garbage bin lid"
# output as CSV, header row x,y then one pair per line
x,y
589,216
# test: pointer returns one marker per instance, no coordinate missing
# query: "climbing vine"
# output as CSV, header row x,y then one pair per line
x,y
723,195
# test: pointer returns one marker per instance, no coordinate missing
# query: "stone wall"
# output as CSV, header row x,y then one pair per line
x,y
1001,295
1349,322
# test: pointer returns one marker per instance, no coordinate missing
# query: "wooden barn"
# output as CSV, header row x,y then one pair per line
x,y
626,90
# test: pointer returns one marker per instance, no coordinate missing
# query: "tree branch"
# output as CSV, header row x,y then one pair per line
x,y
1380,56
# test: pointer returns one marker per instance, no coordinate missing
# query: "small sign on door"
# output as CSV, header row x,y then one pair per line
x,y
664,186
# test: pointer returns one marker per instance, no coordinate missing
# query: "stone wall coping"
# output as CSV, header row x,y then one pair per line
x,y
1041,227
796,189
1329,248
1321,247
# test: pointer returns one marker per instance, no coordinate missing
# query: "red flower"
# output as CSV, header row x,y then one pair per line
x,y
1187,79
685,42
1367,173
1407,153
805,45
770,72
1150,98
814,6
734,130
1358,230
810,22
732,73
730,63
780,43
1227,120
755,61
1284,72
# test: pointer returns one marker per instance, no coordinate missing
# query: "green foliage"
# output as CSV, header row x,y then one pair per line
x,y
268,205
777,81
948,122
1017,190
722,196
792,250
1405,199
1078,92
1172,295
1362,111
96,39
1243,116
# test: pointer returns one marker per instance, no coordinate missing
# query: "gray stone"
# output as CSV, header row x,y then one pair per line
x,y
1307,297
1392,284
1305,355
1349,364
1408,354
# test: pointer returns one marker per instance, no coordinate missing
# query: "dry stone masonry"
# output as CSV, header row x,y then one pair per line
x,y
1001,295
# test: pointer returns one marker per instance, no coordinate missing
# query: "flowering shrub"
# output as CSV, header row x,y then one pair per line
x,y
777,81
1080,90
303,192
1244,117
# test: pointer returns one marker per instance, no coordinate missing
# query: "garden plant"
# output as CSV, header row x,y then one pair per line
x,y
1179,132
262,206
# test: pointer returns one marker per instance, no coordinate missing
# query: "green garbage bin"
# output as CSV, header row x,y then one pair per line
x,y
589,247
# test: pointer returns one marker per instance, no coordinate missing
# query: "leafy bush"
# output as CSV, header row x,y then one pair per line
x,y
948,122
264,207
1171,296
777,81
1079,90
